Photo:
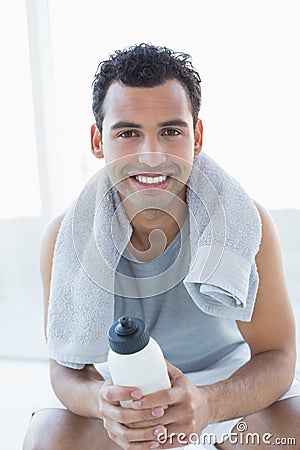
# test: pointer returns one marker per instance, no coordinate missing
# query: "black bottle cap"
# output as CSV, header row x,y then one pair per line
x,y
128,335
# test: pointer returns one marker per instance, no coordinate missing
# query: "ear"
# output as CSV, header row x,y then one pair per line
x,y
96,145
198,138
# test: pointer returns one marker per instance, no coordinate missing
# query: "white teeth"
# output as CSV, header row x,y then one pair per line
x,y
151,180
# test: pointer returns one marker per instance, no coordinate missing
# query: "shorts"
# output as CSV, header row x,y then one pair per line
x,y
219,371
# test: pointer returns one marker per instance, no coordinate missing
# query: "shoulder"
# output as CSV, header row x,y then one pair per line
x,y
272,325
270,241
266,218
48,244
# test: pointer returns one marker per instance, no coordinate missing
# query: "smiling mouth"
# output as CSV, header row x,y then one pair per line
x,y
150,180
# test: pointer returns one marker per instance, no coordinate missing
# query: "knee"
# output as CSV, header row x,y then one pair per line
x,y
34,441
46,432
53,429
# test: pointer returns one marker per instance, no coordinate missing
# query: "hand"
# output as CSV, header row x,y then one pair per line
x,y
122,424
187,412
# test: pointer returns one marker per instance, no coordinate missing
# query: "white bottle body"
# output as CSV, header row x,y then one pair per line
x,y
145,369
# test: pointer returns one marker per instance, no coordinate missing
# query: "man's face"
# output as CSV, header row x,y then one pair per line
x,y
149,141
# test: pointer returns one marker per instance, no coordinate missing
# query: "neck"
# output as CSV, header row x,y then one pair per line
x,y
154,230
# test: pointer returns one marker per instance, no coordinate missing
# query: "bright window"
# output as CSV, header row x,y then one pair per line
x,y
19,181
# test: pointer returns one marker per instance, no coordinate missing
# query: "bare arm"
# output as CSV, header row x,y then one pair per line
x,y
270,335
78,390
261,381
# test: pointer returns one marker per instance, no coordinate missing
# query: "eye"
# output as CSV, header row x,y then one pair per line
x,y
127,134
171,132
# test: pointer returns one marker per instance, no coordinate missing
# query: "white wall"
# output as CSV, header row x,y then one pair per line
x,y
246,53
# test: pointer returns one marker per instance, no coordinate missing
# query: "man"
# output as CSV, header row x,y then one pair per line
x,y
146,105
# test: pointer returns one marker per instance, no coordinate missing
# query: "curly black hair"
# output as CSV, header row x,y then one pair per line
x,y
145,65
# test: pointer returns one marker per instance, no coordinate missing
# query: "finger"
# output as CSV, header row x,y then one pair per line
x,y
148,423
173,371
125,436
112,393
170,396
129,416
174,414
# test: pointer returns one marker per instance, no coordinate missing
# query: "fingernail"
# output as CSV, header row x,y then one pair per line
x,y
158,430
135,394
157,412
136,404
154,445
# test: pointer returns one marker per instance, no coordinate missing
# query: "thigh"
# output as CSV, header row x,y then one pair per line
x,y
54,429
276,426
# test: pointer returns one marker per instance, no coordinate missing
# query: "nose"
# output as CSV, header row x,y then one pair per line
x,y
152,159
151,154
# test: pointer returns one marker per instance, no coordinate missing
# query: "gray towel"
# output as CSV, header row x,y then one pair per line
x,y
222,279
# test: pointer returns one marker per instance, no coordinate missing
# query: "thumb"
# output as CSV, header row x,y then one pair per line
x,y
174,372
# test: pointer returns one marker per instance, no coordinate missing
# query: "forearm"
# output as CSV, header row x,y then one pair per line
x,y
254,386
78,390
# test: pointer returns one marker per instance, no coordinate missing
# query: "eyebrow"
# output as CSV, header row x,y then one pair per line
x,y
123,124
174,123
169,123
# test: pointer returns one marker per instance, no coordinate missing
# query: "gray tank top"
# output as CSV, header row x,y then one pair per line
x,y
190,339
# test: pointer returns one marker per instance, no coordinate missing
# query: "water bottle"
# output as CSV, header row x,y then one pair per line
x,y
135,358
